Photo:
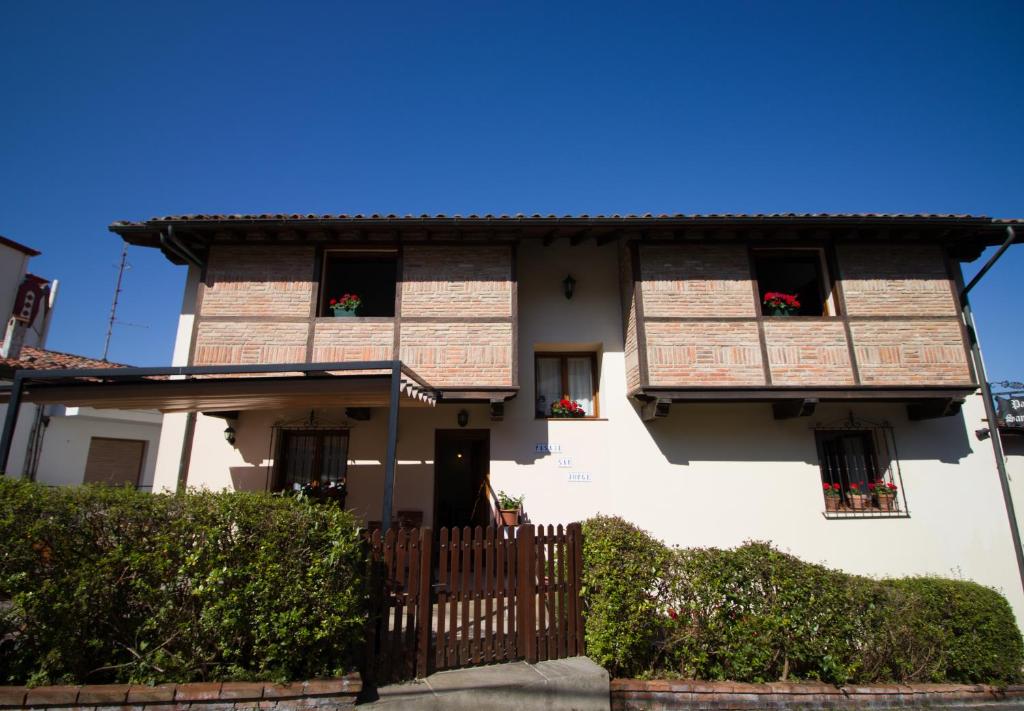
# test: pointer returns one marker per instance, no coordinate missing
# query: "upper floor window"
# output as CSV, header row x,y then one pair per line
x,y
566,385
792,282
358,283
859,473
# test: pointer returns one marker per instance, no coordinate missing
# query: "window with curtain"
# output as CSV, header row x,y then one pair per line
x,y
570,376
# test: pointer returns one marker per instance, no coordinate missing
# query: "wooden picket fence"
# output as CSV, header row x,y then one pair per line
x,y
481,596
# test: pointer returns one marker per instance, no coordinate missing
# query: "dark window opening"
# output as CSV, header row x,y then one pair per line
x,y
371,277
796,273
313,462
566,376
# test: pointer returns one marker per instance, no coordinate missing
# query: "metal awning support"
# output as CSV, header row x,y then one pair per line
x,y
402,382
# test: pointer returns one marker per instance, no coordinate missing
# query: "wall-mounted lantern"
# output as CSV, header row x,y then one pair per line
x,y
569,284
462,418
229,434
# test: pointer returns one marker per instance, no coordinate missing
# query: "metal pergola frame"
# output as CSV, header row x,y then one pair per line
x,y
395,369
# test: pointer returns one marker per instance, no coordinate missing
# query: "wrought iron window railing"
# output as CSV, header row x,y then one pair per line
x,y
860,469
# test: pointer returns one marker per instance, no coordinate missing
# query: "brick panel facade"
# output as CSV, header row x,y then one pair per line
x,y
258,281
704,353
457,281
459,353
807,352
250,343
696,280
896,279
910,352
352,339
631,351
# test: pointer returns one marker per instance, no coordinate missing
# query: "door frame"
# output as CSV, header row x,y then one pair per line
x,y
469,435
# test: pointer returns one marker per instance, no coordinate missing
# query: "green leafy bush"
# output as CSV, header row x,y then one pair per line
x,y
102,584
756,614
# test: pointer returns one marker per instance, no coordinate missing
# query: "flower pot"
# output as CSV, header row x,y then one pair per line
x,y
509,517
831,503
342,313
886,502
780,311
857,501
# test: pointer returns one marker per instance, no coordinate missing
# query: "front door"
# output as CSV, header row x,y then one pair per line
x,y
461,463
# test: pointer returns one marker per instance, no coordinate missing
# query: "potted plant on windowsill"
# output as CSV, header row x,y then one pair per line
x,y
567,408
779,304
346,306
509,508
833,495
885,493
856,497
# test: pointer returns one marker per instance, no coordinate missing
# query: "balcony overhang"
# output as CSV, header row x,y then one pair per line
x,y
922,402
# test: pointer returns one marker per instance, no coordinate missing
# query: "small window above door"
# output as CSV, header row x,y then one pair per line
x,y
566,386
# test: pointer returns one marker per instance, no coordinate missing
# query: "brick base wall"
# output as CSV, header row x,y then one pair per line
x,y
318,693
634,694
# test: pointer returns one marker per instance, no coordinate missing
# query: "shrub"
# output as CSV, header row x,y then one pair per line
x,y
102,584
755,614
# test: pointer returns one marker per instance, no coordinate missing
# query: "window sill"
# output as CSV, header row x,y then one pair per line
x,y
571,419
872,513
358,319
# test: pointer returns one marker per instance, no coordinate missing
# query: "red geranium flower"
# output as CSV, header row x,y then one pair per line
x,y
673,614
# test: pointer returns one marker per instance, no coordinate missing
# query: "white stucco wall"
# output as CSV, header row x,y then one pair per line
x,y
707,475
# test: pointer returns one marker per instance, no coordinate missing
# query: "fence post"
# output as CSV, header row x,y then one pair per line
x,y
526,599
425,614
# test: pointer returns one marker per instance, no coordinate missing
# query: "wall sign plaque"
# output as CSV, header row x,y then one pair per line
x,y
1010,411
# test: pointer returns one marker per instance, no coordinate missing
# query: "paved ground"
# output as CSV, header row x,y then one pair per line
x,y
565,684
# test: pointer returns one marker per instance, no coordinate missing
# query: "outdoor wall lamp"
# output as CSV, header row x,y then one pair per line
x,y
983,434
229,434
568,284
462,418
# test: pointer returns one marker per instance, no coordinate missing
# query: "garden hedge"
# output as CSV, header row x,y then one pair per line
x,y
113,585
754,614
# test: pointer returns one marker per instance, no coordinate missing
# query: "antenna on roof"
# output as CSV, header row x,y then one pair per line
x,y
113,306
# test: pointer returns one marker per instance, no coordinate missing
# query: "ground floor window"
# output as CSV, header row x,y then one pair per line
x,y
313,462
116,462
566,385
859,470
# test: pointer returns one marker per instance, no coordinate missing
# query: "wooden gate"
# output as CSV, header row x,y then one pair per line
x,y
484,596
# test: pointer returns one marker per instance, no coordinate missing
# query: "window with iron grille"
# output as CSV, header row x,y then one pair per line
x,y
313,462
860,474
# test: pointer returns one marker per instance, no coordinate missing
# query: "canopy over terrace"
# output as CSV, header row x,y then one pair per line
x,y
228,388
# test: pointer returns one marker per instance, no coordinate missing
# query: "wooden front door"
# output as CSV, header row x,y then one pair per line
x,y
461,464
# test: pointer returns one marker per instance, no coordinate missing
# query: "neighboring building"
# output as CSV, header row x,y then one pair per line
x,y
53,444
710,418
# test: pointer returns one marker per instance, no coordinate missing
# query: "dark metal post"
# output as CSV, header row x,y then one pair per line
x,y
990,410
10,421
392,447
186,453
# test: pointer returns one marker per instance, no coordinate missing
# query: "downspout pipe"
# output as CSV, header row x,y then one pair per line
x,y
986,394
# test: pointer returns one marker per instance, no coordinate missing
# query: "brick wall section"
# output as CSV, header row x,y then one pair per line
x,y
459,353
315,694
696,280
628,302
637,695
890,280
807,352
457,281
250,343
910,352
258,281
704,353
352,339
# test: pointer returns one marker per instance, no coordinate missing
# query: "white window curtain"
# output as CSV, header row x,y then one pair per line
x,y
581,383
549,384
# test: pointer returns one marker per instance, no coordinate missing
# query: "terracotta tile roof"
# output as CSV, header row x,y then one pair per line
x,y
39,359
519,217
19,246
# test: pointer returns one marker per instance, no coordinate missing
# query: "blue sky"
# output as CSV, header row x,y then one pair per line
x,y
129,110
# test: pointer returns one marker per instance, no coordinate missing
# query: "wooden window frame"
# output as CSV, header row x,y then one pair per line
x,y
320,432
564,356
322,311
826,284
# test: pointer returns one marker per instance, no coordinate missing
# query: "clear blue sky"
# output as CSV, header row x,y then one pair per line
x,y
130,110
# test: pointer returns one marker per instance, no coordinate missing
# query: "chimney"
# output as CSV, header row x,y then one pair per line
x,y
13,339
